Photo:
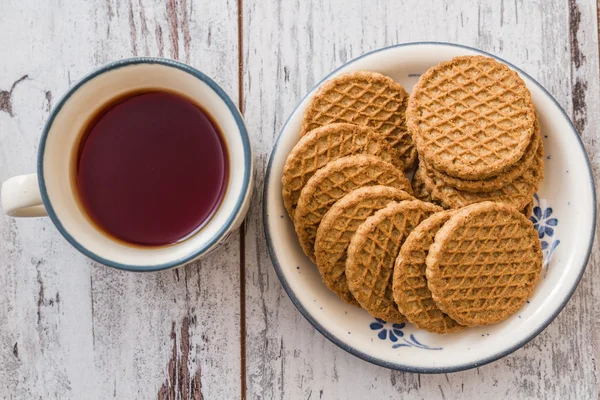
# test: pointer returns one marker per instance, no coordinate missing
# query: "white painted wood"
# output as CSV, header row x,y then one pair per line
x,y
70,329
289,47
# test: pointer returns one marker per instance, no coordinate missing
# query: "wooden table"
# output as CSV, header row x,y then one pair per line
x,y
223,328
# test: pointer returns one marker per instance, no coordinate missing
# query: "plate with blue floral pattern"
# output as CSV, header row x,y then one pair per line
x,y
564,215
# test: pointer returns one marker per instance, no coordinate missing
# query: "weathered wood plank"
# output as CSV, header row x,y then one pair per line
x,y
71,329
581,314
289,46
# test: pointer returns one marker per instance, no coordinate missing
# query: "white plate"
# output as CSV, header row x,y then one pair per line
x,y
565,213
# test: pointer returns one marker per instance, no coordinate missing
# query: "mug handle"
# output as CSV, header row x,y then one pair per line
x,y
20,197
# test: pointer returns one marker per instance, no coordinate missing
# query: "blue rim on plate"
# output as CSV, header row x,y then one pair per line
x,y
245,142
367,357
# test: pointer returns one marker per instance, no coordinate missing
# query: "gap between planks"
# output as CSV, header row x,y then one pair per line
x,y
240,27
598,26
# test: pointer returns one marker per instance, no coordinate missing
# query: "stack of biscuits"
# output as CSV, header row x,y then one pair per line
x,y
450,249
477,135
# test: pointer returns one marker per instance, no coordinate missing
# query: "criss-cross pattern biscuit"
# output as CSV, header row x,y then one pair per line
x,y
373,251
339,225
471,117
326,144
484,263
410,283
499,181
331,183
364,98
516,193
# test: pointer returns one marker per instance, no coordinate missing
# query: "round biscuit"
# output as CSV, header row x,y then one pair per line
x,y
517,193
364,98
410,283
471,117
483,263
372,253
326,144
339,225
334,181
498,181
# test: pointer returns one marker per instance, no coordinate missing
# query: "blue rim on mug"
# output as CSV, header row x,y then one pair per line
x,y
247,162
367,357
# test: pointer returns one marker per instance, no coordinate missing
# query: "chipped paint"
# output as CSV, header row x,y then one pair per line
x,y
6,96
180,383
578,59
173,22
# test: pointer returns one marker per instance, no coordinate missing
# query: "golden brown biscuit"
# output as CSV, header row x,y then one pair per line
x,y
373,251
484,263
364,98
499,181
471,117
334,181
517,193
339,225
410,283
326,144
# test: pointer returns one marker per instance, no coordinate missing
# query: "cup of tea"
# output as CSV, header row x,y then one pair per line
x,y
143,165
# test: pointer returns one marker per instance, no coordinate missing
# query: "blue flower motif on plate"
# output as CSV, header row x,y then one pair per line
x,y
545,224
396,335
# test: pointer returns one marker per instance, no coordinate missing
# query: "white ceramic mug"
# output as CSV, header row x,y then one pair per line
x,y
51,191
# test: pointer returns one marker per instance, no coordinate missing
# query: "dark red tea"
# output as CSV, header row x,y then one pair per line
x,y
152,168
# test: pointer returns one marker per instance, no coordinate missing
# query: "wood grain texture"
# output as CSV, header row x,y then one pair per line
x,y
289,47
72,329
